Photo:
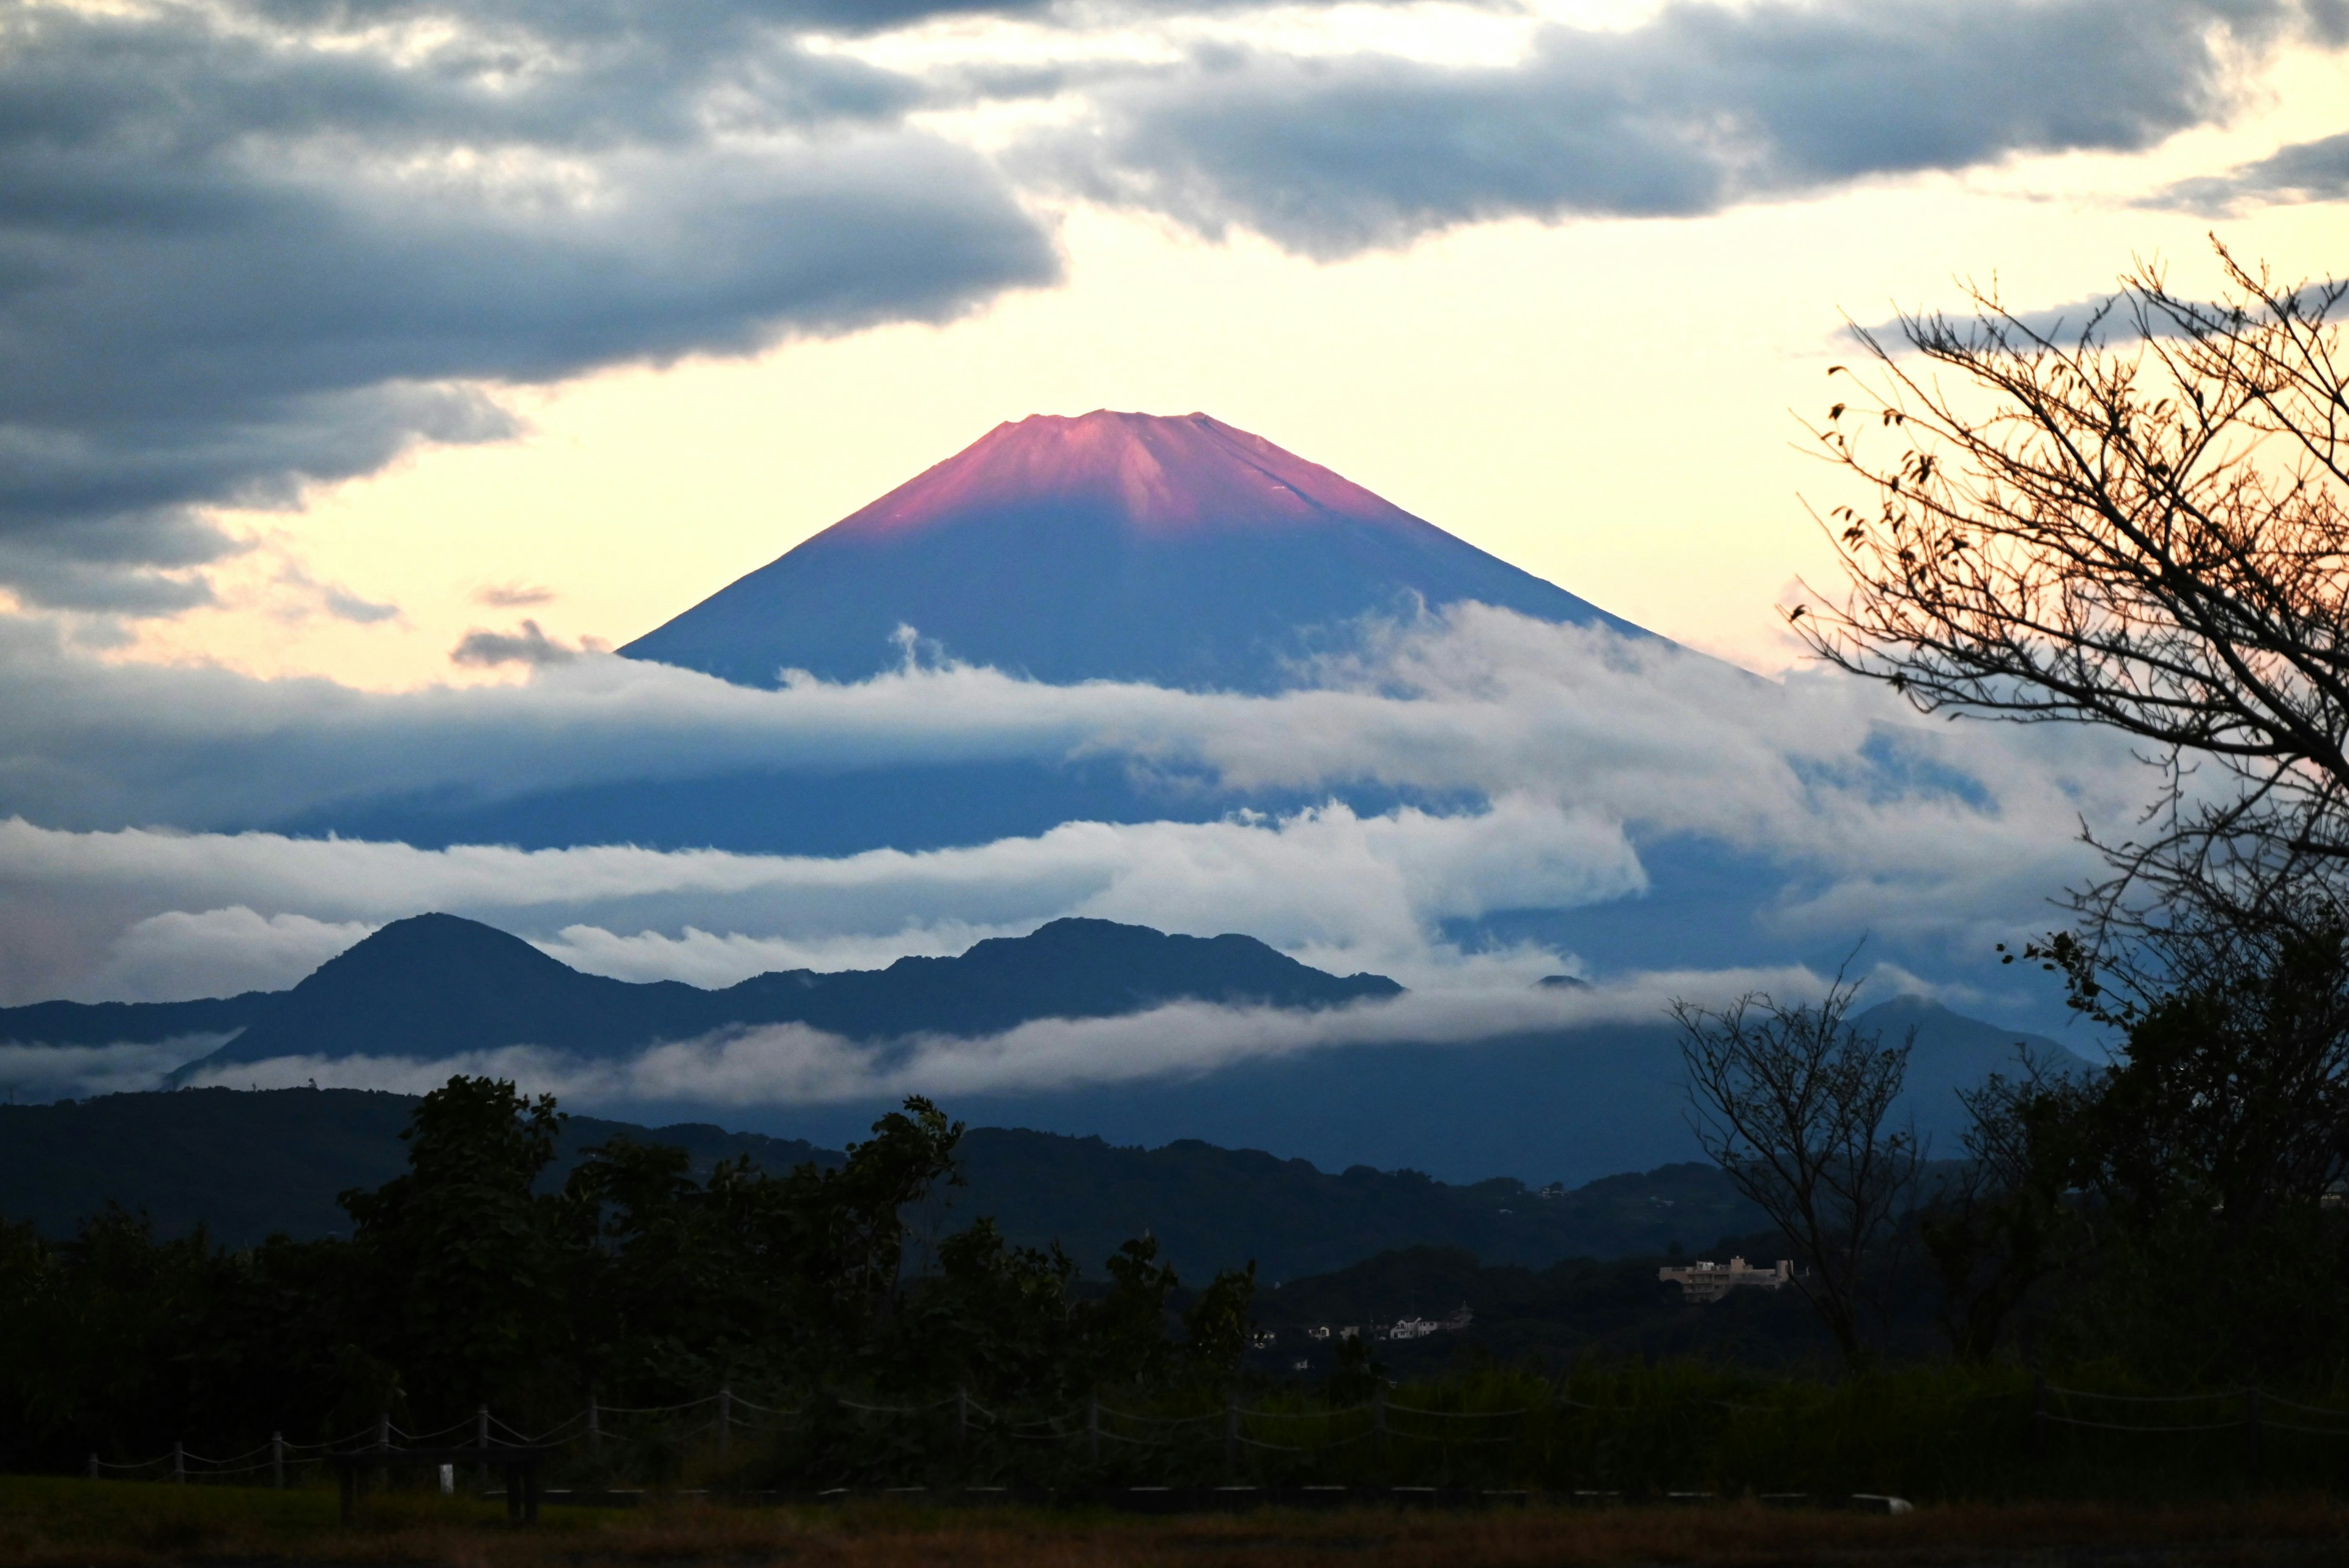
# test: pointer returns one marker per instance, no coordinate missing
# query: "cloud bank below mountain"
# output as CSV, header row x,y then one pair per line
x,y
1566,756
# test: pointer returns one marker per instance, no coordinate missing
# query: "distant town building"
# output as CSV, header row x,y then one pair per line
x,y
1705,1281
1420,1327
1402,1328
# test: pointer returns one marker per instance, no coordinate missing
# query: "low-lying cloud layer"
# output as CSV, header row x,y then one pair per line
x,y
1565,749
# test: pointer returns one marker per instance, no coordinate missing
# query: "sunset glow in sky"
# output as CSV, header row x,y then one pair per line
x,y
1592,371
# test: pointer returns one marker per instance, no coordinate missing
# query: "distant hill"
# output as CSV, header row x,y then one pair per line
x,y
1570,1104
436,986
1179,551
130,1023
248,1163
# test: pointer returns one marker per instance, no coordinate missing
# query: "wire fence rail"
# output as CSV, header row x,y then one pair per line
x,y
957,1424
726,1417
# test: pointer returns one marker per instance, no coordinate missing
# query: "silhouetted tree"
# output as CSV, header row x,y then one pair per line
x,y
2140,521
461,1257
1793,1102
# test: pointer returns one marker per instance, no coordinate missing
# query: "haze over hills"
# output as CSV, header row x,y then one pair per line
x,y
1178,551
436,986
1569,1103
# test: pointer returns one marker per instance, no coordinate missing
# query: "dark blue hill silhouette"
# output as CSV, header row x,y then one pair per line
x,y
245,1164
1112,546
437,985
130,1023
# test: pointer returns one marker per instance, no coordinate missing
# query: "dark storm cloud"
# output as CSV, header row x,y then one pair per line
x,y
244,249
2303,172
1695,109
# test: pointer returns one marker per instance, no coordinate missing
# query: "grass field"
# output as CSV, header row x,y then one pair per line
x,y
46,1522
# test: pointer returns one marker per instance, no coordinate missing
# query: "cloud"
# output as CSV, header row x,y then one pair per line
x,y
512,595
712,959
38,1073
246,248
1363,891
2302,171
252,246
529,645
793,1065
180,954
1698,107
1473,702
1563,751
2102,320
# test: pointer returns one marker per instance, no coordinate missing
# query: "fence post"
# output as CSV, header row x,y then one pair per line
x,y
93,1467
1232,1435
962,1424
1092,1434
482,1441
382,1429
277,1460
594,1428
2252,1434
2039,1417
725,1419
1379,1418
180,1463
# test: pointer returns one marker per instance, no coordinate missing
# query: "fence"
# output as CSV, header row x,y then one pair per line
x,y
726,1418
1657,1435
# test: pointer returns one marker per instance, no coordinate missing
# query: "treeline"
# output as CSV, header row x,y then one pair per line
x,y
2176,1218
634,1284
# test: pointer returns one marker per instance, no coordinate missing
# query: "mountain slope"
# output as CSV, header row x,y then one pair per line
x,y
436,986
129,1022
248,1163
1182,552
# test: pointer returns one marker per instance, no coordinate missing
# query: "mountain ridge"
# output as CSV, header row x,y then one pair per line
x,y
440,985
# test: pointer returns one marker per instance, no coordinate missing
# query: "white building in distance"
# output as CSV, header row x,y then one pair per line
x,y
1705,1280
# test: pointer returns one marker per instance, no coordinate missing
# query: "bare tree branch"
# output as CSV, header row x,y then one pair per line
x,y
2153,537
1792,1102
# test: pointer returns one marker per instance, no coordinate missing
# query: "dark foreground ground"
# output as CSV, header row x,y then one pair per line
x,y
88,1524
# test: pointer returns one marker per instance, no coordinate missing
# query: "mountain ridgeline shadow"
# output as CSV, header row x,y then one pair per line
x,y
436,986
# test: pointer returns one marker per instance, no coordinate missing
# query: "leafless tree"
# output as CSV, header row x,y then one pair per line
x,y
2141,523
1793,1103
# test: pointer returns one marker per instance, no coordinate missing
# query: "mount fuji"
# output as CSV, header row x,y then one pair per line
x,y
1177,551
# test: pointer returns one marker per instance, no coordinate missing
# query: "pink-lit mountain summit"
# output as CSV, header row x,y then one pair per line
x,y
1112,545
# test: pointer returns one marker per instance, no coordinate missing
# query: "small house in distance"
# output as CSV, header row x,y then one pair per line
x,y
1705,1281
